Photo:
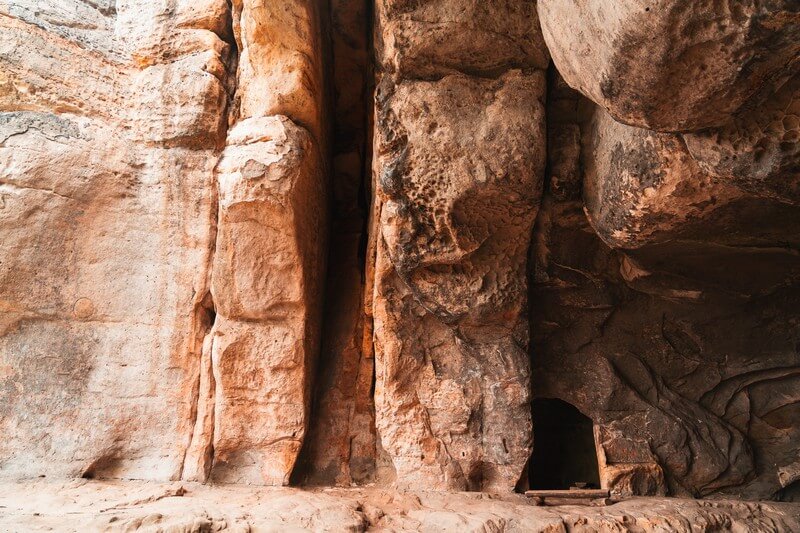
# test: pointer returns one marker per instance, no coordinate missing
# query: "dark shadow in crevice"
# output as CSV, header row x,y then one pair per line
x,y
564,452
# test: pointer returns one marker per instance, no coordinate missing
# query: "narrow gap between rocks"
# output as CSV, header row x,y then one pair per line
x,y
343,381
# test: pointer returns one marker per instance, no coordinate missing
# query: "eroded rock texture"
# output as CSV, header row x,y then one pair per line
x,y
198,197
670,65
458,166
759,150
642,186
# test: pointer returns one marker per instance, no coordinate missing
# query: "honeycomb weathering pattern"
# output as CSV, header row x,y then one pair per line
x,y
213,233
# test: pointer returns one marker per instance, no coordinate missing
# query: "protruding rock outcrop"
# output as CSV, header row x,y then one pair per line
x,y
674,329
671,65
266,288
458,169
642,186
269,260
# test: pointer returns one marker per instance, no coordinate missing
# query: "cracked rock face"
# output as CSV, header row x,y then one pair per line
x,y
360,243
450,295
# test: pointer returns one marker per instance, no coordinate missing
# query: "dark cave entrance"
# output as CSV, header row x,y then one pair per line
x,y
564,451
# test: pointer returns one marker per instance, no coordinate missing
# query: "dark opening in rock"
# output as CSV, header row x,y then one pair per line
x,y
564,452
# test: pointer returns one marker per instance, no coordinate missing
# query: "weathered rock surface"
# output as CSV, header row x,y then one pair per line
x,y
459,165
270,252
686,365
131,506
281,62
431,39
172,173
759,150
107,235
671,65
112,122
266,287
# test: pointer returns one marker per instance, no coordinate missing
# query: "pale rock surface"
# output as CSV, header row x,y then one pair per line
x,y
113,120
79,506
266,287
106,164
280,70
672,65
269,260
459,164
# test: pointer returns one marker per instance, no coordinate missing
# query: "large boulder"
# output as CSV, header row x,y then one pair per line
x,y
642,187
672,65
266,288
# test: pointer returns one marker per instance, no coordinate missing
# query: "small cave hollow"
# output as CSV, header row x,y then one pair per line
x,y
564,452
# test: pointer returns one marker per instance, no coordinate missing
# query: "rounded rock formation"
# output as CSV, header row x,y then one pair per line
x,y
669,65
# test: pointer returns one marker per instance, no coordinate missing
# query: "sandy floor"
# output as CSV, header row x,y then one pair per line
x,y
185,507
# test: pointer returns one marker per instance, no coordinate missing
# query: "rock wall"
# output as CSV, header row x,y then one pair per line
x,y
112,119
347,242
667,258
458,166
171,158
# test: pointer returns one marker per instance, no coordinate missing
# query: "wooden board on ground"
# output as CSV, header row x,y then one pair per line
x,y
569,494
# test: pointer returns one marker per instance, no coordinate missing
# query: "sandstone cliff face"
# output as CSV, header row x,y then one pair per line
x,y
169,314
350,242
109,135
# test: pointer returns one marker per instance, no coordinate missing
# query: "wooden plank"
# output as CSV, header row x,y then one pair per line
x,y
569,494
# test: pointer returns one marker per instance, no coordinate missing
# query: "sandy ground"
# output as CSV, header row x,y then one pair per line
x,y
84,505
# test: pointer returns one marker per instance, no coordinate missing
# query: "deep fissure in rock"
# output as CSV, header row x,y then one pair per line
x,y
340,447
664,275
